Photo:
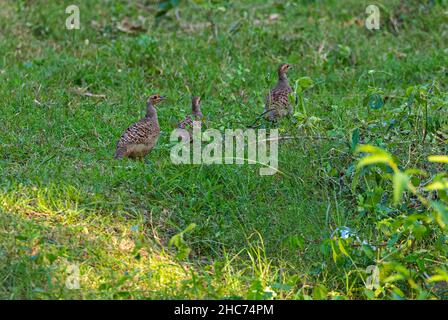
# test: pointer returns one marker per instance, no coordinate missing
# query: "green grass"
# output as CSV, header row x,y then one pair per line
x,y
64,200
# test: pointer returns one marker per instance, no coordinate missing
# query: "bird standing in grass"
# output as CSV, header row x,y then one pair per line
x,y
196,115
277,102
142,136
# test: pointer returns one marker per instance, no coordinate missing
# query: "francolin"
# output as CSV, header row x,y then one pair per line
x,y
277,100
196,115
138,140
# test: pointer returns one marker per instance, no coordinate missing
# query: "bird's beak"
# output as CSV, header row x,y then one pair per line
x,y
161,98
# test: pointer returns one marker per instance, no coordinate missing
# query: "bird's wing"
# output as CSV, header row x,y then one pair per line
x,y
137,133
187,122
278,98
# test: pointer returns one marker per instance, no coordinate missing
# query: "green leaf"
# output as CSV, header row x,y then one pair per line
x,y
165,6
51,257
441,213
369,294
410,90
438,185
183,252
413,171
400,182
374,159
376,101
419,231
367,148
441,275
189,228
176,240
320,292
295,242
441,159
368,251
342,248
355,139
333,251
305,82
393,278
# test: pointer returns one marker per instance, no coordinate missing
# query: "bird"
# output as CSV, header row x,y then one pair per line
x,y
139,138
277,101
196,115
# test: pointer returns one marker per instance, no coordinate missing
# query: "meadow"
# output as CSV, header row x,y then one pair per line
x,y
358,196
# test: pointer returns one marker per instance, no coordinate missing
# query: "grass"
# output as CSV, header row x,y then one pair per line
x,y
65,201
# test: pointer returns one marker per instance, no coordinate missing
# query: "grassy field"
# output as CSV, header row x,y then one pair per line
x,y
67,95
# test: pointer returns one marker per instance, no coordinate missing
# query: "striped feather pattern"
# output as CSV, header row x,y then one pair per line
x,y
278,98
278,101
138,139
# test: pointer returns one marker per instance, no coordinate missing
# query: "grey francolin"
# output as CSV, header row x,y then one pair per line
x,y
277,100
142,136
196,115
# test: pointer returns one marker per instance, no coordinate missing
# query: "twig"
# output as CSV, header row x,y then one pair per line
x,y
84,92
303,137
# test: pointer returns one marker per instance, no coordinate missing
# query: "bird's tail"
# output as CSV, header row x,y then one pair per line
x,y
120,153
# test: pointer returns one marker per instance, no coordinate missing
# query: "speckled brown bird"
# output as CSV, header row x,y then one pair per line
x,y
196,115
138,140
278,98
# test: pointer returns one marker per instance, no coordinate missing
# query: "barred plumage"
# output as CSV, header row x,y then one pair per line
x,y
140,137
196,115
277,100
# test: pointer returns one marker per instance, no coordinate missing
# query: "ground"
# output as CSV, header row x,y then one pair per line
x,y
153,229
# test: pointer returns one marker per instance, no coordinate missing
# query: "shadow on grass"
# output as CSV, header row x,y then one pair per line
x,y
120,243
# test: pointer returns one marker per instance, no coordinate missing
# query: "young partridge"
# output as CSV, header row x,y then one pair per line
x,y
196,115
277,100
142,136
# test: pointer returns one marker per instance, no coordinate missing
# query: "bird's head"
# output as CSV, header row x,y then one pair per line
x,y
196,102
196,105
283,68
155,99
